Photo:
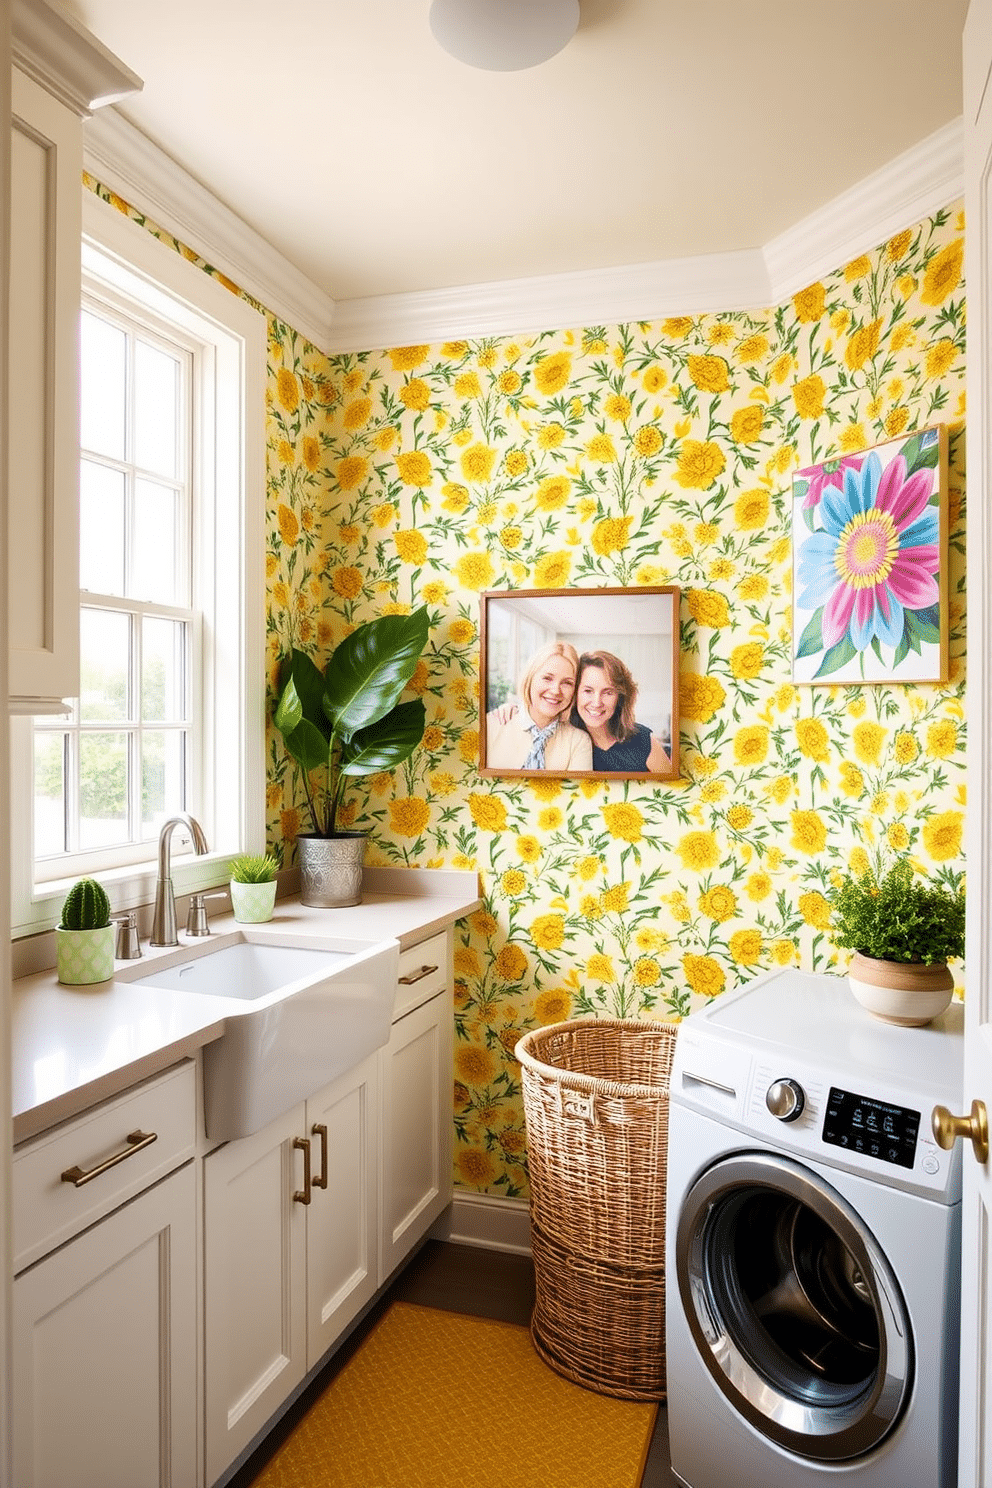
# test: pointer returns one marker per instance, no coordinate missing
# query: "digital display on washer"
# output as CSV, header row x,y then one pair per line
x,y
864,1125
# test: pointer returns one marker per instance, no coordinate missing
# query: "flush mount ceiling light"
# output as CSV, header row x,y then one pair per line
x,y
503,35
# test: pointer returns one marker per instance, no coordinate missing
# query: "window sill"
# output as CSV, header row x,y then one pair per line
x,y
132,887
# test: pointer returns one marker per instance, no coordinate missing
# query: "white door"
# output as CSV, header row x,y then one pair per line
x,y
975,1468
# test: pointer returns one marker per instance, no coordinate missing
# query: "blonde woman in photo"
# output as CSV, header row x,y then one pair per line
x,y
539,736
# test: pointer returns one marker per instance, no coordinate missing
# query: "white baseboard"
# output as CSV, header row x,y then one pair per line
x,y
492,1224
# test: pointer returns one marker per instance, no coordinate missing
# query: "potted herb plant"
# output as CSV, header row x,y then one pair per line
x,y
253,887
903,931
84,939
343,723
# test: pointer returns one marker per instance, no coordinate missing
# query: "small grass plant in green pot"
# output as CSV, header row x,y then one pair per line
x,y
253,887
84,939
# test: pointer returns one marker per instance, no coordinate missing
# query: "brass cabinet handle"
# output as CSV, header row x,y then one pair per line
x,y
136,1140
947,1128
416,976
302,1196
319,1130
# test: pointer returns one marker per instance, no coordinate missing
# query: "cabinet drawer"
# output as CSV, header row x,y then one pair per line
x,y
50,1208
423,971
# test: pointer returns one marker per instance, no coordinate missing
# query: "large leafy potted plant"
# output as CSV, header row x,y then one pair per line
x,y
903,930
341,724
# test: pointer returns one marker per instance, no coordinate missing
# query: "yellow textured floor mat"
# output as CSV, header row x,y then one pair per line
x,y
438,1400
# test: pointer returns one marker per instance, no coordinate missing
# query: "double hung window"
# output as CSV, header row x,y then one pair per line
x,y
128,754
170,715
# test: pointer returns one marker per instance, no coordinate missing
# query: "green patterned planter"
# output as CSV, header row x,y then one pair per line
x,y
253,902
85,956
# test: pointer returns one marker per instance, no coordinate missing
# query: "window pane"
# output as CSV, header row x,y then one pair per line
x,y
101,529
162,671
156,389
103,664
49,793
163,777
102,789
103,351
156,533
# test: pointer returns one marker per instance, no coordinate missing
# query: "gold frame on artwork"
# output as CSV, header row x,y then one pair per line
x,y
870,601
637,627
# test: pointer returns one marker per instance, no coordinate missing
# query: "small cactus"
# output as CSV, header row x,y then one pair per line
x,y
86,907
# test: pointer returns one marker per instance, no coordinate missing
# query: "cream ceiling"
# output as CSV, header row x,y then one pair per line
x,y
376,164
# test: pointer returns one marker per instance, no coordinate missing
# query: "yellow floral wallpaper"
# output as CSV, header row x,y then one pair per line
x,y
646,453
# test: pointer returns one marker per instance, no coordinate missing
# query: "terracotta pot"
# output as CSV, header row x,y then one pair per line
x,y
903,992
331,869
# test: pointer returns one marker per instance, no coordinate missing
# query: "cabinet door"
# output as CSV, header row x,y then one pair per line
x,y
416,1128
43,484
254,1284
105,1351
342,1220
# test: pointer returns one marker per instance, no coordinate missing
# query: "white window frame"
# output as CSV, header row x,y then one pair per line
x,y
229,548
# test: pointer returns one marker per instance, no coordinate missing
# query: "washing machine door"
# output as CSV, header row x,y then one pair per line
x,y
793,1306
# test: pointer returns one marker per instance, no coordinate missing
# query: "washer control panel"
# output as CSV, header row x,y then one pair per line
x,y
874,1127
815,1114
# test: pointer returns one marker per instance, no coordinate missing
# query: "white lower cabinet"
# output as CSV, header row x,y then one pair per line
x,y
104,1322
105,1351
290,1228
415,1162
121,1225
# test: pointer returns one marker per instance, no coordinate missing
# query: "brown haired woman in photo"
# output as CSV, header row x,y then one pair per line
x,y
540,737
605,694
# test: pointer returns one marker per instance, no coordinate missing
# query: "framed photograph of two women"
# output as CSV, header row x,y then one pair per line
x,y
869,548
580,682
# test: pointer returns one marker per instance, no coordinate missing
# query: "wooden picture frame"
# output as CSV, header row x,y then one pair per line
x,y
606,659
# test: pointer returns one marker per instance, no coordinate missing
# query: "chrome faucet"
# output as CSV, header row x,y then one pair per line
x,y
164,916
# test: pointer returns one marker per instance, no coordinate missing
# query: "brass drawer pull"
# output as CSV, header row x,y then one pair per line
x,y
136,1140
416,976
302,1196
319,1130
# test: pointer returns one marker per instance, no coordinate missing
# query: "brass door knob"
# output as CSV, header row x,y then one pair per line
x,y
947,1128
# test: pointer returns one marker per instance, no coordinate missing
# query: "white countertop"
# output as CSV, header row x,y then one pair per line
x,y
75,1046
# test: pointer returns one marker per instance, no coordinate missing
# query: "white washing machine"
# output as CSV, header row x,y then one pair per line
x,y
813,1230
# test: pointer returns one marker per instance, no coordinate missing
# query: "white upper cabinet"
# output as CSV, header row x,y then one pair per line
x,y
60,74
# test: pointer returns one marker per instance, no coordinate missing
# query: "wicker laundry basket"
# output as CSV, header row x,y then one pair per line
x,y
595,1096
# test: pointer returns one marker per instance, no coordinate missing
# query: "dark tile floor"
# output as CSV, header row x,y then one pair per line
x,y
460,1278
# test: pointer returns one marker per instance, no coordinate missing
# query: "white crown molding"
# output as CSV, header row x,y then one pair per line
x,y
127,162
913,186
62,56
647,291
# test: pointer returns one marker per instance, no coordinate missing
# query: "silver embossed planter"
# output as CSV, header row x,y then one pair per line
x,y
331,869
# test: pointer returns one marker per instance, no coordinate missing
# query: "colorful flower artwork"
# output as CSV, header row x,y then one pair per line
x,y
869,546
